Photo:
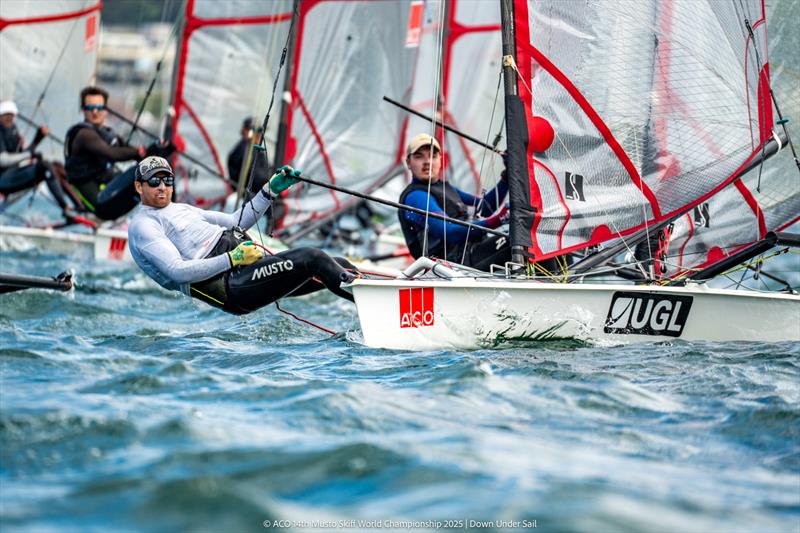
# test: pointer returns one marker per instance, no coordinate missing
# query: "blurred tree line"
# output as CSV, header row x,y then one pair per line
x,y
136,12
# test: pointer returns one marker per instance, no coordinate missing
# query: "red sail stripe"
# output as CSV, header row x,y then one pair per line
x,y
49,18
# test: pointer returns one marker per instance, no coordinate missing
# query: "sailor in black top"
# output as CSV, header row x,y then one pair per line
x,y
23,167
90,151
251,135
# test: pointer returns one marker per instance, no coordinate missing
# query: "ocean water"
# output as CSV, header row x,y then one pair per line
x,y
124,407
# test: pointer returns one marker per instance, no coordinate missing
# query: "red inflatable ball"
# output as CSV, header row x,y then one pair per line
x,y
542,134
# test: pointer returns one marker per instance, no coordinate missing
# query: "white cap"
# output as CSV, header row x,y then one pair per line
x,y
420,141
7,106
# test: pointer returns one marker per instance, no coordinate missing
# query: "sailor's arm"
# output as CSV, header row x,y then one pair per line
x,y
88,140
9,159
158,250
41,133
250,212
456,233
494,198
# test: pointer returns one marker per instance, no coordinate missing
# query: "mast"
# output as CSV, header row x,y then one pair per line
x,y
517,141
283,124
180,36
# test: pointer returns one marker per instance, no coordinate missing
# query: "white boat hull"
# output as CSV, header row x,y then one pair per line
x,y
476,313
103,244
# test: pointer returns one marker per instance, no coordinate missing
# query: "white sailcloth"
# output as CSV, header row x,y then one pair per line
x,y
48,53
655,109
229,52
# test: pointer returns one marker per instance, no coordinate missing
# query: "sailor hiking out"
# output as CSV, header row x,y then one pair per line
x,y
206,254
23,167
90,150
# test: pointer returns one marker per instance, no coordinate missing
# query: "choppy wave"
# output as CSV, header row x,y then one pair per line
x,y
125,407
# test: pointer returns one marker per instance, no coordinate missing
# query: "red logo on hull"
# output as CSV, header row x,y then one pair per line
x,y
416,307
116,249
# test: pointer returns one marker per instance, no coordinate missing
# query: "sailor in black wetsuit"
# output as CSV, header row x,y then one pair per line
x,y
23,167
206,255
90,151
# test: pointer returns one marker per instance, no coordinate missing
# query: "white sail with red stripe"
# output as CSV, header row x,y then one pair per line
x,y
656,109
346,56
48,53
228,54
765,199
349,54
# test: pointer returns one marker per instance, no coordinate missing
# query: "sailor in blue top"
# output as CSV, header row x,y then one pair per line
x,y
446,240
205,254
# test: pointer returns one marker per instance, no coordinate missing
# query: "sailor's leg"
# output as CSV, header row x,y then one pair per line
x,y
289,273
61,177
51,180
18,179
118,197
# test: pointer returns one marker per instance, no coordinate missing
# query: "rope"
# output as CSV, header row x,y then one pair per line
x,y
293,315
322,328
483,159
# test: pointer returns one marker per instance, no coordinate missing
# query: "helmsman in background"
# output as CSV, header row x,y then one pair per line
x,y
447,240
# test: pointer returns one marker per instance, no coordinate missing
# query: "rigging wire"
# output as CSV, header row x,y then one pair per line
x,y
435,103
160,63
252,155
263,144
483,159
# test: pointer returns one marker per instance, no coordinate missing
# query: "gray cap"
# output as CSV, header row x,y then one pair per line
x,y
150,166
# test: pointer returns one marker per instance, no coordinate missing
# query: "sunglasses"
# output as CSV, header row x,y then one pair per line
x,y
94,108
169,181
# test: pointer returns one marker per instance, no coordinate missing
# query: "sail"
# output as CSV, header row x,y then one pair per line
x,y
48,53
228,55
656,109
349,55
768,197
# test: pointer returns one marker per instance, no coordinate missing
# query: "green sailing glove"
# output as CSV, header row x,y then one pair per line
x,y
245,254
284,178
